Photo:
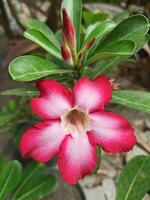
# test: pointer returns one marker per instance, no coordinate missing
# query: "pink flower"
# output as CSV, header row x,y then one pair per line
x,y
74,123
68,31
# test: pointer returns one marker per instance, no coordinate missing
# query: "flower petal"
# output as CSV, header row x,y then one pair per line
x,y
92,95
112,132
54,100
42,141
77,158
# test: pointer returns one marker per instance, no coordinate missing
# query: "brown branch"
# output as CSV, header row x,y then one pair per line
x,y
4,20
143,145
33,5
53,18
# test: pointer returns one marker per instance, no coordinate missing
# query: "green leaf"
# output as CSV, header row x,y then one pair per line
x,y
134,181
43,41
91,18
59,62
106,66
2,162
120,16
6,118
134,28
129,29
42,28
35,184
98,148
29,68
138,100
122,47
20,92
141,41
10,176
98,31
74,10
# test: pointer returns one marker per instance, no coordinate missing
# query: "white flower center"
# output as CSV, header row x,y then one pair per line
x,y
75,122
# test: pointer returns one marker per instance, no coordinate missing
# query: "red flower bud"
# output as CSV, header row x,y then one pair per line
x,y
66,55
90,44
68,31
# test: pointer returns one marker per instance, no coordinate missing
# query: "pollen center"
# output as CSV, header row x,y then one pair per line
x,y
75,122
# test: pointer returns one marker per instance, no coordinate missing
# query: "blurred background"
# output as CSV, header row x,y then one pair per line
x,y
15,113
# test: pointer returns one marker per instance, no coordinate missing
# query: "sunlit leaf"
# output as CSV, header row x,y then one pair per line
x,y
98,30
42,41
28,68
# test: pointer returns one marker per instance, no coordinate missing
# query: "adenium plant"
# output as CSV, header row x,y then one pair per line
x,y
72,99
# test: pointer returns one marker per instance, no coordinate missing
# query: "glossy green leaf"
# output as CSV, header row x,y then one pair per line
x,y
10,176
129,29
74,10
134,28
122,47
42,41
42,28
29,68
138,100
35,184
98,30
20,92
134,181
106,66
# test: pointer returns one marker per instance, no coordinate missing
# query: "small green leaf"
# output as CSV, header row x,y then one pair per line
x,y
29,68
98,31
6,118
20,92
122,47
140,42
43,41
98,159
134,181
130,29
43,29
2,162
120,16
138,100
10,177
35,184
74,10
91,17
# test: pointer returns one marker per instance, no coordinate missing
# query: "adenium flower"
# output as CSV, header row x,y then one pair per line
x,y
74,123
68,31
66,55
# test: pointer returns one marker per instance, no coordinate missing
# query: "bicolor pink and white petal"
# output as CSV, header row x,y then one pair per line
x,y
74,124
